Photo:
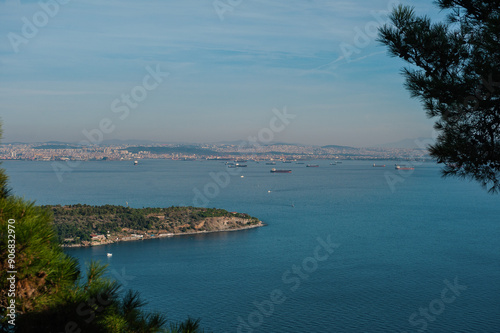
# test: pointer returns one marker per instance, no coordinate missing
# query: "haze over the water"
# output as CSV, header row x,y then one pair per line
x,y
64,67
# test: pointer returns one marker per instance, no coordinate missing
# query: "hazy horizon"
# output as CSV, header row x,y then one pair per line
x,y
404,143
203,72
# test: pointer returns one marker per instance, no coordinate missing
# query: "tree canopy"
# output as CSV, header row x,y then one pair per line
x,y
4,189
455,71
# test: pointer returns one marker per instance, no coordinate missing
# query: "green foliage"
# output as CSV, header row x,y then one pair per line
x,y
4,189
42,266
79,221
53,295
189,326
455,72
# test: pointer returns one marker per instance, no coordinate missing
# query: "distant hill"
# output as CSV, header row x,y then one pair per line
x,y
119,142
173,150
246,143
75,224
282,144
339,147
57,146
41,143
408,143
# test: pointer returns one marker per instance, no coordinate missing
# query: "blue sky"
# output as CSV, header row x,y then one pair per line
x,y
230,63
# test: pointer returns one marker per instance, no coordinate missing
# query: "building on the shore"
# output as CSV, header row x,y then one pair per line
x,y
97,238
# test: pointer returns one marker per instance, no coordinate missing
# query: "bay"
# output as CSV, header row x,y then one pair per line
x,y
398,247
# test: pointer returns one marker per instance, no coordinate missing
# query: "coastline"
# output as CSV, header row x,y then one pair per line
x,y
131,238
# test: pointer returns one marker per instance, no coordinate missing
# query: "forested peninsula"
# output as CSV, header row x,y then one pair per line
x,y
86,225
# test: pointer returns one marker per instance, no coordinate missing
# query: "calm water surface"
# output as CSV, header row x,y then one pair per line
x,y
396,246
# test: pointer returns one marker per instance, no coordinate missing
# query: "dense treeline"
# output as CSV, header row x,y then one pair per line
x,y
80,221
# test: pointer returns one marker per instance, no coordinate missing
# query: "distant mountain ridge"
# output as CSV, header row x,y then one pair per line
x,y
339,147
186,149
417,143
57,146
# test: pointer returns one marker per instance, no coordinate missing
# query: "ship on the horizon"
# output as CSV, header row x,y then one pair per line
x,y
398,167
379,165
270,163
274,170
312,166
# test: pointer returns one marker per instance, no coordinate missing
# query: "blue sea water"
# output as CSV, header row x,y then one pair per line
x,y
420,255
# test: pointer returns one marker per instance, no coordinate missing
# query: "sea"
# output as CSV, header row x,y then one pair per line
x,y
347,247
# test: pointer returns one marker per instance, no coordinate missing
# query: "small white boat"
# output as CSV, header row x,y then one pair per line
x,y
109,254
136,162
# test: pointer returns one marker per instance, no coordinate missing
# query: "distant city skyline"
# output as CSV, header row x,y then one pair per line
x,y
238,151
203,71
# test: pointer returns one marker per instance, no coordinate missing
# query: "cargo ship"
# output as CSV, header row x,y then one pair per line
x,y
273,170
270,163
312,166
379,165
398,167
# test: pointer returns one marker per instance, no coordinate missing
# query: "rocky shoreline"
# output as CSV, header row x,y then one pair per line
x,y
140,235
